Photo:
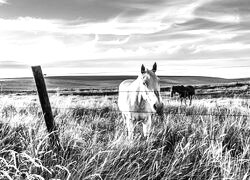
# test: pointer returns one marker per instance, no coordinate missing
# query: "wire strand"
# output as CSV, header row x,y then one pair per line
x,y
108,110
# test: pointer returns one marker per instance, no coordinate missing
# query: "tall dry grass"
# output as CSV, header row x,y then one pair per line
x,y
181,146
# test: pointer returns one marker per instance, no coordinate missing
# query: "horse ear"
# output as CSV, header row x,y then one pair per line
x,y
154,67
143,69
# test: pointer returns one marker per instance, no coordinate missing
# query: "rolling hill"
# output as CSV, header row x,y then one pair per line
x,y
103,82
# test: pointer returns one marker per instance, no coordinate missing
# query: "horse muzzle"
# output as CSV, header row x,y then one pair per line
x,y
159,108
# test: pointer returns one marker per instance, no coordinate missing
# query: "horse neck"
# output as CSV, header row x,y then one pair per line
x,y
138,98
181,90
137,86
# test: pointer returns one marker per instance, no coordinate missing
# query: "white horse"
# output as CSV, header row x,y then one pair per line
x,y
139,99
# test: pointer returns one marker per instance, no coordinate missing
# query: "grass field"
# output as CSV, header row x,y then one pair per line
x,y
187,143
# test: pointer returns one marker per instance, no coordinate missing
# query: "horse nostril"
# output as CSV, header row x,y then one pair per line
x,y
155,107
162,105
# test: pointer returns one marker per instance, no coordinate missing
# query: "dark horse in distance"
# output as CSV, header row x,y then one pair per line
x,y
184,92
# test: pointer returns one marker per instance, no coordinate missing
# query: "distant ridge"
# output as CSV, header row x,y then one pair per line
x,y
101,82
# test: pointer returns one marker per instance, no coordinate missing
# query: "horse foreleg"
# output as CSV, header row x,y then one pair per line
x,y
190,99
184,100
130,128
147,127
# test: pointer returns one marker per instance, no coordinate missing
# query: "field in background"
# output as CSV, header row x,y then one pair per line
x,y
104,82
208,140
108,85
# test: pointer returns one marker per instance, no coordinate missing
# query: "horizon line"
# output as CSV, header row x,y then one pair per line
x,y
106,75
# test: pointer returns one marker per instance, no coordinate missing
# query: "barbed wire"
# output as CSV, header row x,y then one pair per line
x,y
107,109
117,91
164,93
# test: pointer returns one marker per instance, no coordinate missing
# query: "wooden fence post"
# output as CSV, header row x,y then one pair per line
x,y
45,104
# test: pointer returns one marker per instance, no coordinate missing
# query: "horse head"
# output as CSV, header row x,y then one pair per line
x,y
150,88
177,89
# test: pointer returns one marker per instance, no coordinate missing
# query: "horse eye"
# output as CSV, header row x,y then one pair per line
x,y
145,83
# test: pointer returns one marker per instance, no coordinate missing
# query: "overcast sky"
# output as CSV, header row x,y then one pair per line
x,y
185,37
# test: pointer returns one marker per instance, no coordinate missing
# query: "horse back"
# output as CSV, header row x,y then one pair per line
x,y
125,85
190,90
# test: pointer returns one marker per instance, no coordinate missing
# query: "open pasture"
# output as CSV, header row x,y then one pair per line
x,y
208,140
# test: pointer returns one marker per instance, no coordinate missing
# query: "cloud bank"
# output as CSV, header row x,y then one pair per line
x,y
186,37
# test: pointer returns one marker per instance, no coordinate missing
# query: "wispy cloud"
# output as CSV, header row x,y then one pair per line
x,y
3,2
